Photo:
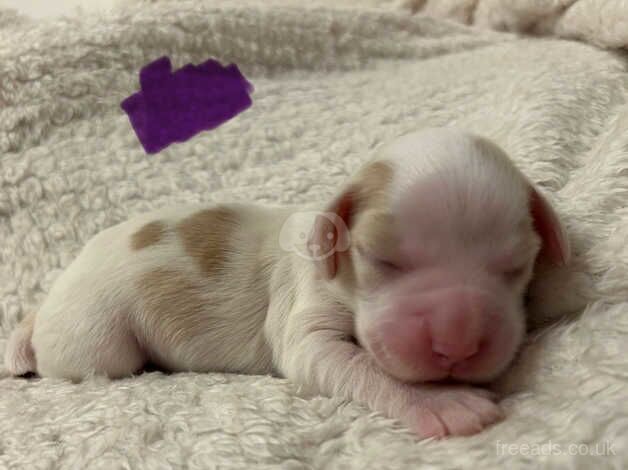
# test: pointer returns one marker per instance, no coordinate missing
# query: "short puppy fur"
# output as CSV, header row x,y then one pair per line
x,y
414,273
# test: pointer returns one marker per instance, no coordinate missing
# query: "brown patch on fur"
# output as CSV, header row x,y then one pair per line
x,y
149,234
369,190
206,236
370,222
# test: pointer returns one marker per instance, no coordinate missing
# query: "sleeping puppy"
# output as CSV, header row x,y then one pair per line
x,y
415,273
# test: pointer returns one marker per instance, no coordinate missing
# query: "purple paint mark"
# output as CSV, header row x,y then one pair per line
x,y
172,107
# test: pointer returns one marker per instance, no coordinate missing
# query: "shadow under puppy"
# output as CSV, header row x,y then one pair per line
x,y
414,273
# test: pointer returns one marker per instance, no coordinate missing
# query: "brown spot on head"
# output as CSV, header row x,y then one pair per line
x,y
368,191
148,235
371,220
371,225
206,236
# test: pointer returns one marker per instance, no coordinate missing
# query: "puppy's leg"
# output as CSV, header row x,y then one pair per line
x,y
19,357
318,353
76,346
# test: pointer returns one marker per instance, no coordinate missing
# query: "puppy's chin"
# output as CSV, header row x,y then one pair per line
x,y
416,362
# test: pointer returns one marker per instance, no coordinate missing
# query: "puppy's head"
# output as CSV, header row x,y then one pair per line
x,y
444,234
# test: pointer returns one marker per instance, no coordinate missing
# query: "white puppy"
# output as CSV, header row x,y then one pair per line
x,y
414,273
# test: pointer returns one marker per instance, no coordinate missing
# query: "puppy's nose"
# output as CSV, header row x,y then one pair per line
x,y
448,354
456,329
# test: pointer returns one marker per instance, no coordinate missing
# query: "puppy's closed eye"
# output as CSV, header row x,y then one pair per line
x,y
387,265
379,261
515,273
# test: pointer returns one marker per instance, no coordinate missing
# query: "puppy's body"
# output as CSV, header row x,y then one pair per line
x,y
414,273
159,288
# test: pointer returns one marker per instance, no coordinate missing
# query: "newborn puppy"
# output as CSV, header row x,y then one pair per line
x,y
414,273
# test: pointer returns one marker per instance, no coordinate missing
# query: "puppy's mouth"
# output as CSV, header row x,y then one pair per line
x,y
425,369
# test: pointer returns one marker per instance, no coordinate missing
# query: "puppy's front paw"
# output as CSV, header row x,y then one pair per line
x,y
451,411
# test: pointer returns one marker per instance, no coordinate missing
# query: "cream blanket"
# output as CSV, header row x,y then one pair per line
x,y
601,22
332,80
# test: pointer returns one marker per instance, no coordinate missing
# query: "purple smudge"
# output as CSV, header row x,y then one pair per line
x,y
172,107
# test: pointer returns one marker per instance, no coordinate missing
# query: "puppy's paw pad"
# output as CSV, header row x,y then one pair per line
x,y
452,413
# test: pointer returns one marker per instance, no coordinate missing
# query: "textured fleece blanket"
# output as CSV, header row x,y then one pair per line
x,y
601,22
332,81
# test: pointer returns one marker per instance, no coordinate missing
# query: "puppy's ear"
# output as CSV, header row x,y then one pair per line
x,y
329,239
555,244
330,235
